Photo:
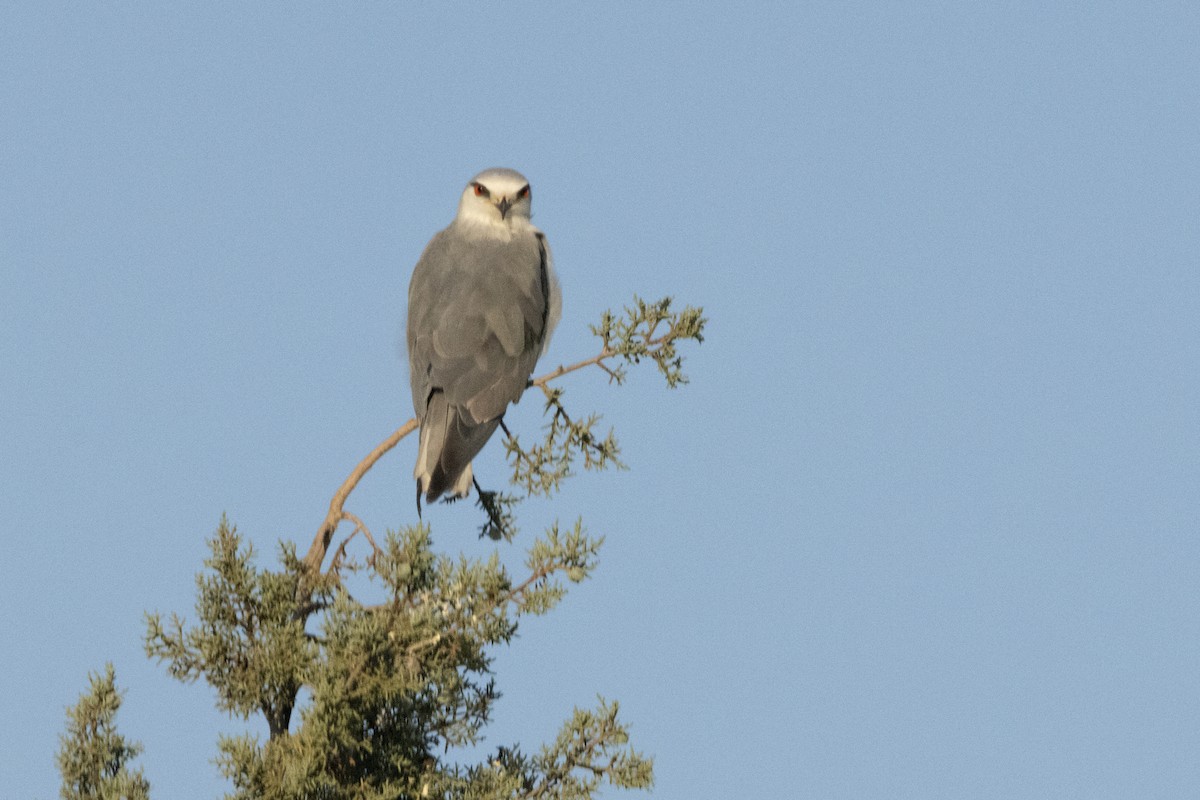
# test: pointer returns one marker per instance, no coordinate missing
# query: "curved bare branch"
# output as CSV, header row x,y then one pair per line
x,y
320,545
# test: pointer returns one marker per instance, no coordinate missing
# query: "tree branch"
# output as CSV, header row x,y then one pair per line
x,y
561,370
320,545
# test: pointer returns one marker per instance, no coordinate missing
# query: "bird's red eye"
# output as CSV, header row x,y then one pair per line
x,y
523,193
479,190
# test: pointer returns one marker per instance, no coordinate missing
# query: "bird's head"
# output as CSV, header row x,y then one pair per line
x,y
498,197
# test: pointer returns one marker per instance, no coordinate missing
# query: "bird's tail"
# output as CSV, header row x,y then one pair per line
x,y
447,445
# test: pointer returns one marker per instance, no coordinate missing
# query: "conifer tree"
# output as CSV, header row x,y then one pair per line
x,y
395,684
93,758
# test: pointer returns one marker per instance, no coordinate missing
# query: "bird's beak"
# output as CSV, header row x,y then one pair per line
x,y
504,205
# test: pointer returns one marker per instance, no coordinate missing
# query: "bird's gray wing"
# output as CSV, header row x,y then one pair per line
x,y
478,312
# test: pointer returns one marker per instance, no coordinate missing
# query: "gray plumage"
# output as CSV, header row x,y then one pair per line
x,y
482,304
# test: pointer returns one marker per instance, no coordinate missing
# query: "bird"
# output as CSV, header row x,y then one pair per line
x,y
482,304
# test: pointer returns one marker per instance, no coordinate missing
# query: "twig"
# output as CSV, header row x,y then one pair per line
x,y
359,527
539,574
648,340
561,370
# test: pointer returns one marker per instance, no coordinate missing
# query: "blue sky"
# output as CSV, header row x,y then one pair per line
x,y
923,525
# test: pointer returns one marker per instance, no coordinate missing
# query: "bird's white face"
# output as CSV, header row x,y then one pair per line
x,y
496,197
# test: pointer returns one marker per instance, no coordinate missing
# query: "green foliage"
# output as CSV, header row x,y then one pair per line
x,y
540,468
650,330
647,331
395,686
589,749
93,758
501,522
380,696
251,645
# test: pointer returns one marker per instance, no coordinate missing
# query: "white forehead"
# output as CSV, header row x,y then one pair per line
x,y
501,181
